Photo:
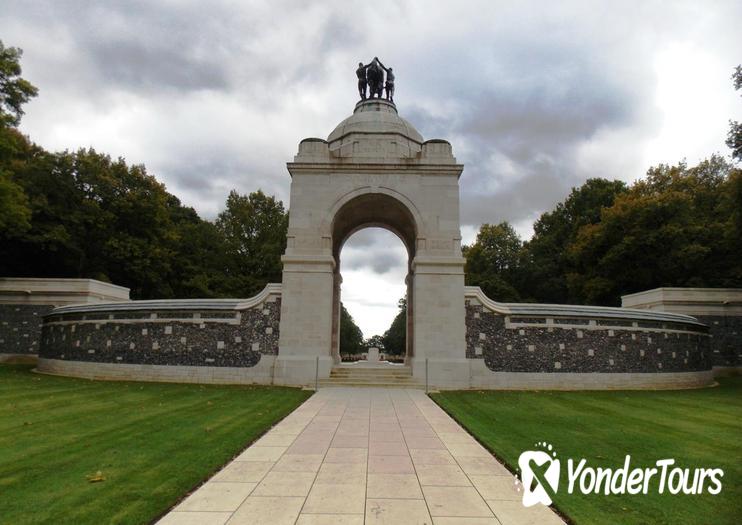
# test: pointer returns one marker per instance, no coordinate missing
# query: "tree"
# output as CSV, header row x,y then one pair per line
x,y
547,262
675,228
493,261
14,211
254,227
375,341
93,217
734,137
14,90
395,338
351,337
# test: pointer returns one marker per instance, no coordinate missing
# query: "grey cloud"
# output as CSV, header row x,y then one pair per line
x,y
140,67
517,97
546,101
374,249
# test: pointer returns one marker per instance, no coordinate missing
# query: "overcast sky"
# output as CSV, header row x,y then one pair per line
x,y
534,96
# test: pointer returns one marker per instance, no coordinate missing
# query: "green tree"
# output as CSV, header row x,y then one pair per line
x,y
94,217
493,261
254,227
14,90
351,337
677,227
15,213
734,137
547,262
375,341
395,338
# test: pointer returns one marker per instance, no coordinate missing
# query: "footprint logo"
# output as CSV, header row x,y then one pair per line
x,y
539,474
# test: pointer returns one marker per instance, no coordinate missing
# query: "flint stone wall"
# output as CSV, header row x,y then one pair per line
x,y
24,302
726,339
719,308
20,327
210,337
510,343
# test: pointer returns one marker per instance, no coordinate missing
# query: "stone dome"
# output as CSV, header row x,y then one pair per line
x,y
375,116
375,130
375,134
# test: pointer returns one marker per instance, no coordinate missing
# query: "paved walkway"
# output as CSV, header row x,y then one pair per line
x,y
355,456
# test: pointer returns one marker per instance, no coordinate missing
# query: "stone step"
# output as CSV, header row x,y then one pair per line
x,y
335,373
407,371
373,379
325,383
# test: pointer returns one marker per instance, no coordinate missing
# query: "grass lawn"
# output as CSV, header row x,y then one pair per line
x,y
152,442
698,428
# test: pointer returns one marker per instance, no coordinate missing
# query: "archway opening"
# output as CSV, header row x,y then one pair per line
x,y
374,211
373,297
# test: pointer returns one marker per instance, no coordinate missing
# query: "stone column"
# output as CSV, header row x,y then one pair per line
x,y
306,319
439,319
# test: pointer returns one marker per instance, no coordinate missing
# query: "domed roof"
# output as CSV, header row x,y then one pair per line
x,y
375,116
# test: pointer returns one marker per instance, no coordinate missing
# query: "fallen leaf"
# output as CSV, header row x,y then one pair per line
x,y
95,478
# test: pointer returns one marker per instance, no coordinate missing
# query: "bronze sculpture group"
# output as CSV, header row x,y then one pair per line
x,y
371,76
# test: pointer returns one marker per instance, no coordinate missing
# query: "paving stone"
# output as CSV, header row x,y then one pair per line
x,y
514,513
244,471
456,501
442,475
213,497
327,498
195,518
264,510
285,484
397,511
390,465
330,519
403,486
256,453
497,487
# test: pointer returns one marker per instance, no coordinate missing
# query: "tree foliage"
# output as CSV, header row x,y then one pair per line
x,y
493,261
14,90
395,338
674,228
84,214
375,341
680,226
351,337
254,229
734,137
546,263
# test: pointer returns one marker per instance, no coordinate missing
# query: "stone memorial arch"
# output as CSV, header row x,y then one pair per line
x,y
376,170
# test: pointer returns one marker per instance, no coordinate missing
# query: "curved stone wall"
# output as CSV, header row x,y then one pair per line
x,y
508,346
566,344
209,340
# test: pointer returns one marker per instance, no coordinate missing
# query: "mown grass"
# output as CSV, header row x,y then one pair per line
x,y
698,428
151,442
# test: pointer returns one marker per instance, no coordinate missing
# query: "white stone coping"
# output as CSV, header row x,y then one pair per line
x,y
564,310
698,301
36,290
271,289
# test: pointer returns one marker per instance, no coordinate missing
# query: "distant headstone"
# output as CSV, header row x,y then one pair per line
x,y
373,355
